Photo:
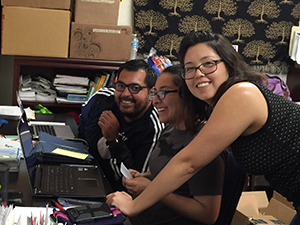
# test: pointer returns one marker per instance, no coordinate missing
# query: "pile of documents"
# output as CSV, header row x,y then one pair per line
x,y
71,88
10,153
36,89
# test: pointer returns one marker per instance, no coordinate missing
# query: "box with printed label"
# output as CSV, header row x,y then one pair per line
x,y
50,4
35,31
254,208
92,41
97,11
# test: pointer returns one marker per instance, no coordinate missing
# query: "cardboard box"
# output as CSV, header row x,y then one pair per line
x,y
35,31
51,4
254,207
105,42
105,12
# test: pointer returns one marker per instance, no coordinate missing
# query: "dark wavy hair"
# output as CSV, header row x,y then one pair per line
x,y
238,69
190,112
137,64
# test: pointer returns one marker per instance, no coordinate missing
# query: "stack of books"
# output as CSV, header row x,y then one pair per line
x,y
71,89
36,89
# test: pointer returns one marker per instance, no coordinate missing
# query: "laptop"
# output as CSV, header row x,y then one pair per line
x,y
58,129
63,180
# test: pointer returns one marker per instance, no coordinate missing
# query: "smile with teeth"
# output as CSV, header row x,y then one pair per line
x,y
126,101
160,109
203,84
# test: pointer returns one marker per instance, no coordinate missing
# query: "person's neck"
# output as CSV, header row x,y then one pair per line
x,y
180,125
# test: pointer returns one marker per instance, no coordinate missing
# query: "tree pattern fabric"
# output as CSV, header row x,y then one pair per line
x,y
260,30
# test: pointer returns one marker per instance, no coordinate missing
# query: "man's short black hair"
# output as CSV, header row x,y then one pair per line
x,y
137,64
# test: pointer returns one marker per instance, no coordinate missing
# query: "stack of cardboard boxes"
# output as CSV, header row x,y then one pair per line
x,y
95,34
46,28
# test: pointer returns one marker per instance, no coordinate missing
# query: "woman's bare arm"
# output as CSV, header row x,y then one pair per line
x,y
242,110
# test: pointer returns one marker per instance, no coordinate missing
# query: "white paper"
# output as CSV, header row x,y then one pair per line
x,y
125,171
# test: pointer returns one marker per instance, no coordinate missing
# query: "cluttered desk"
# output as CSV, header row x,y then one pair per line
x,y
29,186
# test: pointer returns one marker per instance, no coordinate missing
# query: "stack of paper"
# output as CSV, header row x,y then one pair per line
x,y
10,153
36,89
10,112
71,88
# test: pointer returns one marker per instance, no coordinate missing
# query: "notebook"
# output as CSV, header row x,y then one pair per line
x,y
57,129
64,180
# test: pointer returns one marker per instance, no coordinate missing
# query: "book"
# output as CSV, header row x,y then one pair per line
x,y
71,80
100,83
91,89
111,79
77,97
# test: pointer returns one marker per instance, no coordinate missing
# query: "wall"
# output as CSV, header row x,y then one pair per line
x,y
6,79
6,61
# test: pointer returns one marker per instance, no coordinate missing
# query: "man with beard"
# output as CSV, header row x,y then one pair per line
x,y
122,121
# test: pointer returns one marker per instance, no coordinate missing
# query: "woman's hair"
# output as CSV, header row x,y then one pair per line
x,y
190,113
238,69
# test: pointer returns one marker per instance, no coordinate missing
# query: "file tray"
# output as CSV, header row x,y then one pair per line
x,y
51,149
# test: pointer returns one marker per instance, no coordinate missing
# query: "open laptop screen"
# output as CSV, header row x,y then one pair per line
x,y
28,149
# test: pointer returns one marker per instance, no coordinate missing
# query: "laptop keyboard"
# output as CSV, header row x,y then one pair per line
x,y
45,128
60,179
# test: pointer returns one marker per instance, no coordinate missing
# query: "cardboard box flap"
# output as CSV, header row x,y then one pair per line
x,y
248,205
281,208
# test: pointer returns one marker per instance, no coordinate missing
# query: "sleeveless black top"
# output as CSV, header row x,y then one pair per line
x,y
274,150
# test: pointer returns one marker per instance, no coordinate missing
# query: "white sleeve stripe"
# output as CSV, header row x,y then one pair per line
x,y
158,129
115,168
103,91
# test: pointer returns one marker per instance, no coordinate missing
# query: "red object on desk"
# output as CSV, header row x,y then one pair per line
x,y
58,205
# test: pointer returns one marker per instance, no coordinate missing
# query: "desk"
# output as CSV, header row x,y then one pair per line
x,y
20,181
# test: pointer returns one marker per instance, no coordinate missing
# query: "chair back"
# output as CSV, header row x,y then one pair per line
x,y
234,181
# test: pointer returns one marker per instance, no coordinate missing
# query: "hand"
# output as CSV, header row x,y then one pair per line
x,y
134,173
135,186
122,201
109,125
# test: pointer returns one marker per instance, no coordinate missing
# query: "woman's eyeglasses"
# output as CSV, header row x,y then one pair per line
x,y
205,68
160,94
132,88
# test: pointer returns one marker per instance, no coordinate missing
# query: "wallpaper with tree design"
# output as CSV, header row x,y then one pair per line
x,y
260,28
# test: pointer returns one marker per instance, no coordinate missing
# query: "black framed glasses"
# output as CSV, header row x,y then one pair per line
x,y
132,88
160,94
205,68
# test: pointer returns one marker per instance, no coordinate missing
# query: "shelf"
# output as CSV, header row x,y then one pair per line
x,y
62,105
49,67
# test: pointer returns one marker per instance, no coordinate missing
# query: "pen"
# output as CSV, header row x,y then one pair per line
x,y
57,205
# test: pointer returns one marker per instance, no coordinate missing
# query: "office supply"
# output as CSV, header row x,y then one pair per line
x,y
87,213
57,150
56,204
10,112
62,180
10,153
56,129
125,171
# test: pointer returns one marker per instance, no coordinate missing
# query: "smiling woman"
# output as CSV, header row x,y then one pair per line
x,y
261,128
201,202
